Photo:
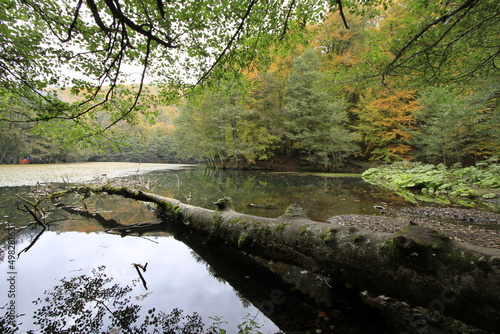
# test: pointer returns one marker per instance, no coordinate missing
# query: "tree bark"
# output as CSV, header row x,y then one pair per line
x,y
416,264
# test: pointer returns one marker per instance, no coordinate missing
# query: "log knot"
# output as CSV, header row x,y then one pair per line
x,y
225,203
294,211
419,248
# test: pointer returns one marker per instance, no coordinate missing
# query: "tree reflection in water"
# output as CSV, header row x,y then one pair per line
x,y
95,304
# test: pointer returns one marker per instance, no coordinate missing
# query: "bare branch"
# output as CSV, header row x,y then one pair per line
x,y
161,8
141,86
97,18
287,18
341,11
137,266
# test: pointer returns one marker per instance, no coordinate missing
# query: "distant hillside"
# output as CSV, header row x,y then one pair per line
x,y
166,112
66,95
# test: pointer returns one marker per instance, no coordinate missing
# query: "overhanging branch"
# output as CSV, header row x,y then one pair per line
x,y
342,15
467,5
230,43
115,9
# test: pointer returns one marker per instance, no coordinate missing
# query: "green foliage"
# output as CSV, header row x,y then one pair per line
x,y
272,77
249,326
219,127
454,128
93,46
315,123
217,324
435,42
439,181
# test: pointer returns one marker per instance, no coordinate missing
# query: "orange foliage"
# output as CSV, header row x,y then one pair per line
x,y
385,124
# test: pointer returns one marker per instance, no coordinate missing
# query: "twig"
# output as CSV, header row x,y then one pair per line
x,y
37,219
156,242
33,242
137,266
120,320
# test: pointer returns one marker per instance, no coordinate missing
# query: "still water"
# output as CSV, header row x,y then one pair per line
x,y
183,272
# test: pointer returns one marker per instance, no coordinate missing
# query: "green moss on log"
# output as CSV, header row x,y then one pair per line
x,y
225,203
237,221
280,227
329,234
423,249
357,238
241,240
217,221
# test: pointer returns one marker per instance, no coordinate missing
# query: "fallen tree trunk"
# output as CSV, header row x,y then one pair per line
x,y
415,264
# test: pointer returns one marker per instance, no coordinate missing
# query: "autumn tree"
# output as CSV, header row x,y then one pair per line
x,y
266,107
385,123
90,46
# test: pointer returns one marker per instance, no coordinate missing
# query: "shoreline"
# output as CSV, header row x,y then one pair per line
x,y
79,172
470,226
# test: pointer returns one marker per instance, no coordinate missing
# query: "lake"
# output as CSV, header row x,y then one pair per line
x,y
224,287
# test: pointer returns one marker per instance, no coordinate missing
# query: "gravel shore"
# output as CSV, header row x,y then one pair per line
x,y
470,226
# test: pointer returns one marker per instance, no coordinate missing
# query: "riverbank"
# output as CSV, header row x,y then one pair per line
x,y
474,227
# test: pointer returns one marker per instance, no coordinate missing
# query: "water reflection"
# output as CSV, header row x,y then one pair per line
x,y
269,194
175,278
212,280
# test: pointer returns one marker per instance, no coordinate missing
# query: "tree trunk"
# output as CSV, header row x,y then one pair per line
x,y
416,264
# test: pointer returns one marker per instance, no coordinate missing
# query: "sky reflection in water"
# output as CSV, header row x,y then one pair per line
x,y
174,278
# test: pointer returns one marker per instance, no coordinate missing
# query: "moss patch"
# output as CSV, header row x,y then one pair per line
x,y
329,234
217,222
424,250
357,238
280,227
241,240
237,221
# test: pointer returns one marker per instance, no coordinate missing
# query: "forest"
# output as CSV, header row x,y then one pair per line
x,y
329,85
371,82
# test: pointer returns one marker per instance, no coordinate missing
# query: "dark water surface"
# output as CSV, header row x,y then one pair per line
x,y
183,271
269,194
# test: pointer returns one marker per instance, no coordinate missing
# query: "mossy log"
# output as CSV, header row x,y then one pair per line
x,y
416,264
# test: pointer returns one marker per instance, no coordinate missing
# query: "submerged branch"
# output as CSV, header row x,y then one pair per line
x,y
32,243
39,222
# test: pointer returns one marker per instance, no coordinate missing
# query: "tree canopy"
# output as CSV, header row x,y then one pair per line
x,y
376,56
92,45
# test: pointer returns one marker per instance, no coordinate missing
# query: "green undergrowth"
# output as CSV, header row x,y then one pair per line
x,y
421,182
